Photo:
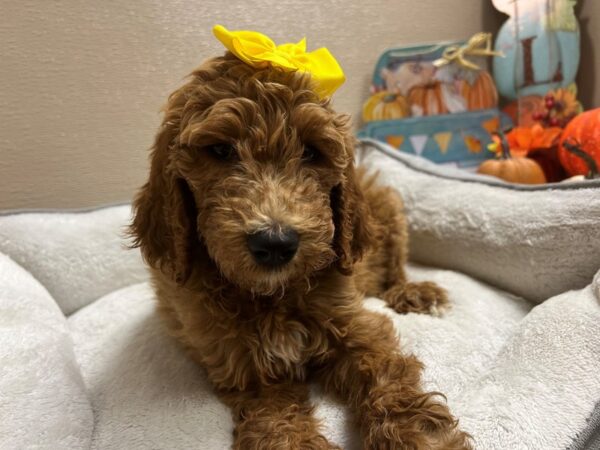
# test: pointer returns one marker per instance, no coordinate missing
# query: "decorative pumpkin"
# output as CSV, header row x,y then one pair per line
x,y
385,105
589,161
514,170
428,99
582,132
482,94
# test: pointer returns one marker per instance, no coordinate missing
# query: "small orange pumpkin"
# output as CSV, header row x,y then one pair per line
x,y
482,94
584,133
384,106
514,170
429,99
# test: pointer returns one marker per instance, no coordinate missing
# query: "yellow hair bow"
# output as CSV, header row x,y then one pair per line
x,y
259,51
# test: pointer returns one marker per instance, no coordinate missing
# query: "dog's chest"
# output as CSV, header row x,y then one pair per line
x,y
282,344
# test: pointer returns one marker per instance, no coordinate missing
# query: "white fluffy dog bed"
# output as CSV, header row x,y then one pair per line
x,y
85,363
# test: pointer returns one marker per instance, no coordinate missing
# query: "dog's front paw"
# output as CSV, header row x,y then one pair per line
x,y
425,297
383,438
431,430
278,434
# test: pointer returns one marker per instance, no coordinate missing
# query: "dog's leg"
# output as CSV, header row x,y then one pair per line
x,y
402,295
275,417
382,272
383,387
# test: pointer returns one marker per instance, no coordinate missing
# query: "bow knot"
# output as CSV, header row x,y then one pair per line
x,y
480,44
259,51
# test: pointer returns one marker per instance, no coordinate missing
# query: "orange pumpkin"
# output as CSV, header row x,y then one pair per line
x,y
582,132
384,106
482,94
514,170
429,99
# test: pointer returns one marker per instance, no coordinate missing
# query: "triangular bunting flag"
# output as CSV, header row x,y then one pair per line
x,y
443,140
418,142
395,141
473,144
492,125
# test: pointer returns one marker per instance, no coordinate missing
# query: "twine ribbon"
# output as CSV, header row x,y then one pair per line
x,y
480,44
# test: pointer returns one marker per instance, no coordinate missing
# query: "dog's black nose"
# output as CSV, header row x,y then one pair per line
x,y
272,249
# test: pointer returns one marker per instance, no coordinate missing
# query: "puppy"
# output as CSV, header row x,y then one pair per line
x,y
263,239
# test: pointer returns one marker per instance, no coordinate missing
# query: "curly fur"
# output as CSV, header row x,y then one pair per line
x,y
260,333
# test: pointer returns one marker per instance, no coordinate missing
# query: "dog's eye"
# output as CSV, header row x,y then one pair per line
x,y
311,154
222,152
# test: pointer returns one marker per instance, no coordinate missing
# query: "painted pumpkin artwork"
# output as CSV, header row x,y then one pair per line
x,y
583,133
482,94
427,100
437,101
385,106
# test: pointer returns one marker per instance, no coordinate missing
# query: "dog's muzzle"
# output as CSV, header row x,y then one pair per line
x,y
273,249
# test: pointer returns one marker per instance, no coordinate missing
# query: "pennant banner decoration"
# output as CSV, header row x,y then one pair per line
x,y
473,144
395,141
443,140
418,142
492,125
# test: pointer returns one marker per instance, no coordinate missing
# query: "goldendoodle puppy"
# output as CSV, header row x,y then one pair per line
x,y
263,239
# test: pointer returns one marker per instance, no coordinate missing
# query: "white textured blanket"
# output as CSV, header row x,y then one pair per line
x,y
107,377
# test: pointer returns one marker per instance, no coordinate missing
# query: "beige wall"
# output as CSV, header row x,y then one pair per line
x,y
82,82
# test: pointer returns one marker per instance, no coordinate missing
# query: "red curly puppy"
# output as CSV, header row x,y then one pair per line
x,y
254,221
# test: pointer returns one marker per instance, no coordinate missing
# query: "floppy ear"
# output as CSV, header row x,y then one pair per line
x,y
164,222
351,217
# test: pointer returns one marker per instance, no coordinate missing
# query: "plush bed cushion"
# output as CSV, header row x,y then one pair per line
x,y
517,378
77,256
533,241
43,401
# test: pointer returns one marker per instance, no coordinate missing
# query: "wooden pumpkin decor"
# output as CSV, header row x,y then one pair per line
x,y
427,100
514,170
583,132
482,94
385,105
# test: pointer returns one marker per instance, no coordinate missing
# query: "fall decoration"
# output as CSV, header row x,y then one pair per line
x,y
482,93
583,133
428,99
385,105
556,109
521,111
522,140
515,170
560,107
589,161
